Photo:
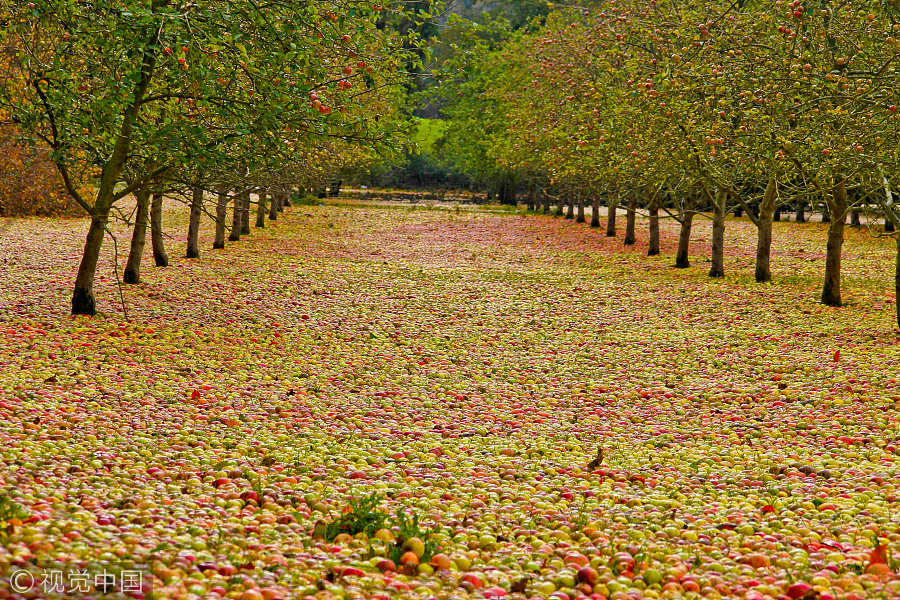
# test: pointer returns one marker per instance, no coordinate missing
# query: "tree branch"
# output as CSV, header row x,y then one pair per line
x,y
54,143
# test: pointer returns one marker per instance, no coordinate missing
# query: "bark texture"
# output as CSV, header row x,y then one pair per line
x,y
193,245
717,250
273,207
156,234
221,216
261,211
682,260
831,288
132,272
245,213
235,234
653,248
611,205
629,221
764,233
891,218
83,302
897,281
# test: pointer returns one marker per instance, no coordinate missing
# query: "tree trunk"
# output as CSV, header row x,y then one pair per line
x,y
273,208
738,212
546,199
612,204
764,233
261,211
193,246
653,248
221,215
501,191
629,221
776,216
285,200
83,302
682,260
156,234
831,289
132,273
890,217
580,218
235,234
763,248
826,214
506,190
717,251
800,216
245,213
83,295
560,205
854,219
897,280
570,206
595,211
888,226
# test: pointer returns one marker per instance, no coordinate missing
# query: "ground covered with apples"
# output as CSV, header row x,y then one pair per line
x,y
392,402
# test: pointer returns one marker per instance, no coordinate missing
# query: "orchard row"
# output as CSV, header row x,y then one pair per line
x,y
681,108
183,99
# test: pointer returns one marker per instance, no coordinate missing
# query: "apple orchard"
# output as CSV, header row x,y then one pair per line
x,y
302,394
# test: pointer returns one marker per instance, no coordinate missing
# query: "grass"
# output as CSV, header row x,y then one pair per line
x,y
308,200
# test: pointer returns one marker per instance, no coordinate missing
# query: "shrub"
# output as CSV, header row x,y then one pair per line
x,y
30,185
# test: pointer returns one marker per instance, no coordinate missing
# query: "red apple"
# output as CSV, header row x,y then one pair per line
x,y
588,575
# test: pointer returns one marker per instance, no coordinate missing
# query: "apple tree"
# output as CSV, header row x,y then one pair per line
x,y
153,89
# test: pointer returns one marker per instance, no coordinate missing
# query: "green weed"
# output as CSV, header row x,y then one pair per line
x,y
364,516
